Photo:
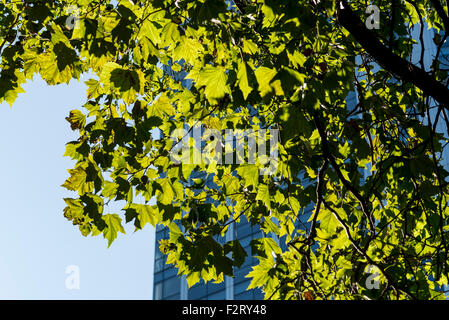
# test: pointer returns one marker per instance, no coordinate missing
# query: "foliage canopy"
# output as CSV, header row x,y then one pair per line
x,y
372,172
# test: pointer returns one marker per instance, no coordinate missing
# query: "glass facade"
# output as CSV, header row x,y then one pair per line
x,y
166,281
168,286
244,232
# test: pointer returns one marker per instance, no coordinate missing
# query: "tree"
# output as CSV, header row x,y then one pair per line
x,y
373,172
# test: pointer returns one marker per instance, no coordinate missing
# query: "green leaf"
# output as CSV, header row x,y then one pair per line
x,y
249,174
94,89
243,79
238,253
264,78
129,83
327,221
188,49
78,181
76,119
113,227
260,274
263,194
144,214
249,46
161,107
264,247
167,192
209,9
214,79
171,34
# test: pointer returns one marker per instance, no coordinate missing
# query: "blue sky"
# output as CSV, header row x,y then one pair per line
x,y
36,242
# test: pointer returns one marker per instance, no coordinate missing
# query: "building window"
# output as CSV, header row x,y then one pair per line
x,y
197,292
240,273
241,287
159,264
220,295
214,287
176,296
158,291
171,286
247,295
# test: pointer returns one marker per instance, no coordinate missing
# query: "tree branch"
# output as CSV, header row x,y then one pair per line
x,y
347,184
319,197
441,13
400,67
